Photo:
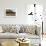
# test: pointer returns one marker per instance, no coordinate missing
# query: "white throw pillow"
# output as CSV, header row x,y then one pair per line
x,y
1,30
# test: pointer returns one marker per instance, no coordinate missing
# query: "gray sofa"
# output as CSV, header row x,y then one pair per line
x,y
19,30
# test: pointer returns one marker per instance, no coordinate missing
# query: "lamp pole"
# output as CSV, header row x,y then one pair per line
x,y
42,26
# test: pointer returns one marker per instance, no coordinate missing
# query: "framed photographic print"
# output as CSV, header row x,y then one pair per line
x,y
10,12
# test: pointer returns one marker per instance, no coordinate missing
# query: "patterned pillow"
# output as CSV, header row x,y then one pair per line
x,y
18,27
21,29
30,29
37,30
9,28
13,29
4,27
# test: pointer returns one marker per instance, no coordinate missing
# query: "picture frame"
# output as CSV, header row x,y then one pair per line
x,y
10,12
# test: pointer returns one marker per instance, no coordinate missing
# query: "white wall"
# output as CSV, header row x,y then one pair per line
x,y
20,5
19,19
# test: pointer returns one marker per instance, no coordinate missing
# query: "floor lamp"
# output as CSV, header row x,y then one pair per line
x,y
42,26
